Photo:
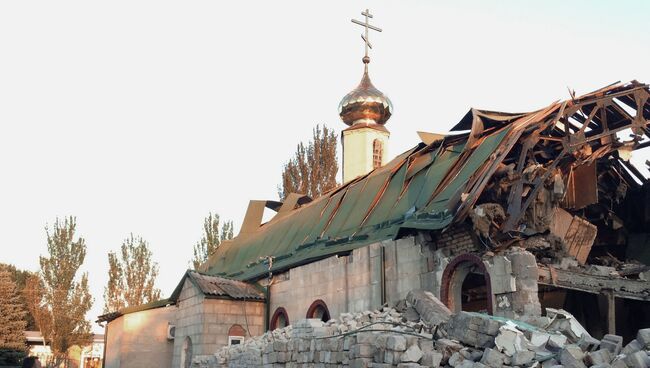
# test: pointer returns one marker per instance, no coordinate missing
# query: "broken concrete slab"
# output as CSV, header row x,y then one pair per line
x,y
572,356
493,358
431,310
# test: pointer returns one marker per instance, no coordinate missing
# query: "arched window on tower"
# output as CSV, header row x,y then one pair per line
x,y
377,153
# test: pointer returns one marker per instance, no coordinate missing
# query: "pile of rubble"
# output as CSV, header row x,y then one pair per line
x,y
421,332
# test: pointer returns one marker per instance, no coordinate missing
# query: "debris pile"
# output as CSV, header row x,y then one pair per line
x,y
421,332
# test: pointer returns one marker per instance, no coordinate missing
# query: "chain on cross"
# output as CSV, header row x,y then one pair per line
x,y
365,37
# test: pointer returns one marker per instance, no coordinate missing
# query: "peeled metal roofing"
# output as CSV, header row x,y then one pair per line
x,y
368,209
427,187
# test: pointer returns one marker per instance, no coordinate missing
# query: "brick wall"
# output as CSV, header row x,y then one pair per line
x,y
457,240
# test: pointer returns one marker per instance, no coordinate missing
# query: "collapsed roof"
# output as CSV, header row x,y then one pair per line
x,y
508,159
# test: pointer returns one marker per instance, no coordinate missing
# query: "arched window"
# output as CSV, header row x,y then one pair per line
x,y
186,353
280,319
377,153
318,309
236,335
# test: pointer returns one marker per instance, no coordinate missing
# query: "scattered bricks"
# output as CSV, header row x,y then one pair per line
x,y
361,363
366,338
475,355
571,357
431,359
636,359
619,362
456,359
466,364
380,355
493,358
279,345
601,356
522,357
632,347
362,351
396,343
431,310
409,365
643,337
412,354
550,363
474,329
588,343
447,348
348,341
392,357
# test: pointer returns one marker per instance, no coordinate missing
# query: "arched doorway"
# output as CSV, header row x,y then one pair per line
x,y
186,353
466,285
318,309
280,319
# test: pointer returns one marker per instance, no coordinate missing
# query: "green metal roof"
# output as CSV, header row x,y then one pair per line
x,y
419,189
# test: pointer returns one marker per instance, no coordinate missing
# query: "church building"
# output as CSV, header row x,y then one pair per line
x,y
507,214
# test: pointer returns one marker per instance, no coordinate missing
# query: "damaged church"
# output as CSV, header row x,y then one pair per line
x,y
508,214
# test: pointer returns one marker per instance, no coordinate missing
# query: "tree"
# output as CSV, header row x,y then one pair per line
x,y
312,170
58,299
211,239
12,315
131,276
20,278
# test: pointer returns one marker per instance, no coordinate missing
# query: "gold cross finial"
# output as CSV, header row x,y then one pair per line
x,y
365,37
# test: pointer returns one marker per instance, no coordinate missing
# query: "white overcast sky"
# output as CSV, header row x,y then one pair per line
x,y
143,116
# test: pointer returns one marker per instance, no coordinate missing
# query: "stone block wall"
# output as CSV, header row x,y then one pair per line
x,y
189,320
345,284
206,321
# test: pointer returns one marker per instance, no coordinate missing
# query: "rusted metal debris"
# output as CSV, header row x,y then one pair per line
x,y
561,183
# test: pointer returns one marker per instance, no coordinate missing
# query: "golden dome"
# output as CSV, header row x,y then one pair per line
x,y
365,104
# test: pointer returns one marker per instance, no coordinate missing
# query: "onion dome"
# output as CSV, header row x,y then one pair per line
x,y
365,104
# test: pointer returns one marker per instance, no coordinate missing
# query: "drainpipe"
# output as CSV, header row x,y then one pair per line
x,y
382,276
267,309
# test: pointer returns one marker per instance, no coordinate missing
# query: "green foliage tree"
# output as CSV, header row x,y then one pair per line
x,y
59,299
12,321
131,276
20,278
312,170
211,239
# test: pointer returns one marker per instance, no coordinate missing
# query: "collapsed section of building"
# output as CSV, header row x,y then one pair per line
x,y
508,213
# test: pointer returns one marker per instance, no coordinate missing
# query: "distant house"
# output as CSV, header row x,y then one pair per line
x,y
89,356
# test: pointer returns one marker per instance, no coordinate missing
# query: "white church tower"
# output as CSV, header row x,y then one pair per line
x,y
365,110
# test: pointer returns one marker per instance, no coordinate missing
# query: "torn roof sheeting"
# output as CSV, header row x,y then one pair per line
x,y
427,187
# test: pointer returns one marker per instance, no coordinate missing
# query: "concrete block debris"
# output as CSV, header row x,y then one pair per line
x,y
388,338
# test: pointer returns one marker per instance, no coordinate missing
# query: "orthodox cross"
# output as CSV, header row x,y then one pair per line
x,y
366,39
